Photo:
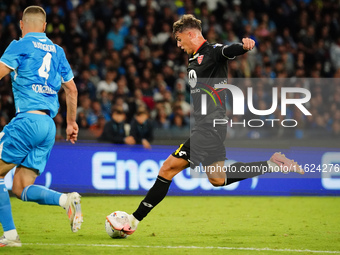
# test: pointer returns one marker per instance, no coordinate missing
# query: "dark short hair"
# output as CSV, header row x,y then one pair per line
x,y
118,109
185,22
141,110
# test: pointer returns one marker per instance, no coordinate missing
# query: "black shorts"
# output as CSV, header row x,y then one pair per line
x,y
205,146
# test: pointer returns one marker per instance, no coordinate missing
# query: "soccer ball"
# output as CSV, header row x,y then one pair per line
x,y
122,217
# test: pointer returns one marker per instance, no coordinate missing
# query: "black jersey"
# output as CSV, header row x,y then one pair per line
x,y
208,68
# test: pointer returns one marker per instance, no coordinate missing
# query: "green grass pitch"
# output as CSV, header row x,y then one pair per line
x,y
186,225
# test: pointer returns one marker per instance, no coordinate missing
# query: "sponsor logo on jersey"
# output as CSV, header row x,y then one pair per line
x,y
192,78
200,59
43,89
196,90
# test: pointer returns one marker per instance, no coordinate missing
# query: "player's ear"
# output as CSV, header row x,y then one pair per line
x,y
21,25
44,27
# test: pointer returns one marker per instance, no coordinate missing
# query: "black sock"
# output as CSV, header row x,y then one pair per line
x,y
155,195
240,171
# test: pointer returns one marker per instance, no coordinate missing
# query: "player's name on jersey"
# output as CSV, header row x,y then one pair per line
x,y
45,47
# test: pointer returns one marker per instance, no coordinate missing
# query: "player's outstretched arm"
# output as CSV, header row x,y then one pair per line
x,y
4,70
236,49
71,103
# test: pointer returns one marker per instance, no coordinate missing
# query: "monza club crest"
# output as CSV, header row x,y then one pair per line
x,y
200,59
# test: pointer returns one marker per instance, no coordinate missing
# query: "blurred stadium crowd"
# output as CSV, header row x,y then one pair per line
x,y
123,55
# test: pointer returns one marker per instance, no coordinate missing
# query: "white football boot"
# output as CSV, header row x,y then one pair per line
x,y
4,242
73,211
119,224
133,224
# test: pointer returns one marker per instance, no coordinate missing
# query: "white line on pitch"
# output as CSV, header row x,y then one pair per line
x,y
182,247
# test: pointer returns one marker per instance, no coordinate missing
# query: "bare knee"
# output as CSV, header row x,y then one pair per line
x,y
217,182
167,171
23,177
17,189
172,166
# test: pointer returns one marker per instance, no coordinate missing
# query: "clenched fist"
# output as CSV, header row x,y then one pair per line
x,y
248,43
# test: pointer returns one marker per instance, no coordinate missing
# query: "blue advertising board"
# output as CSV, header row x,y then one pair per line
x,y
132,170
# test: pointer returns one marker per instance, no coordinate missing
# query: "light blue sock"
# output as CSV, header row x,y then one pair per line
x,y
6,217
41,195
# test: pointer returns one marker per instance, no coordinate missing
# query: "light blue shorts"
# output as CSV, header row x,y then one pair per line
x,y
28,140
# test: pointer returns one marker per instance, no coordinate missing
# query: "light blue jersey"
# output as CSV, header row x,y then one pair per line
x,y
39,67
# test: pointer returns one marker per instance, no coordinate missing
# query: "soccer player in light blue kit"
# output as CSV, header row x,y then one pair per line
x,y
38,69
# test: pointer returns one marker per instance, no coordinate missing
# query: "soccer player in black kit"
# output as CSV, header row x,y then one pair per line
x,y
207,64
